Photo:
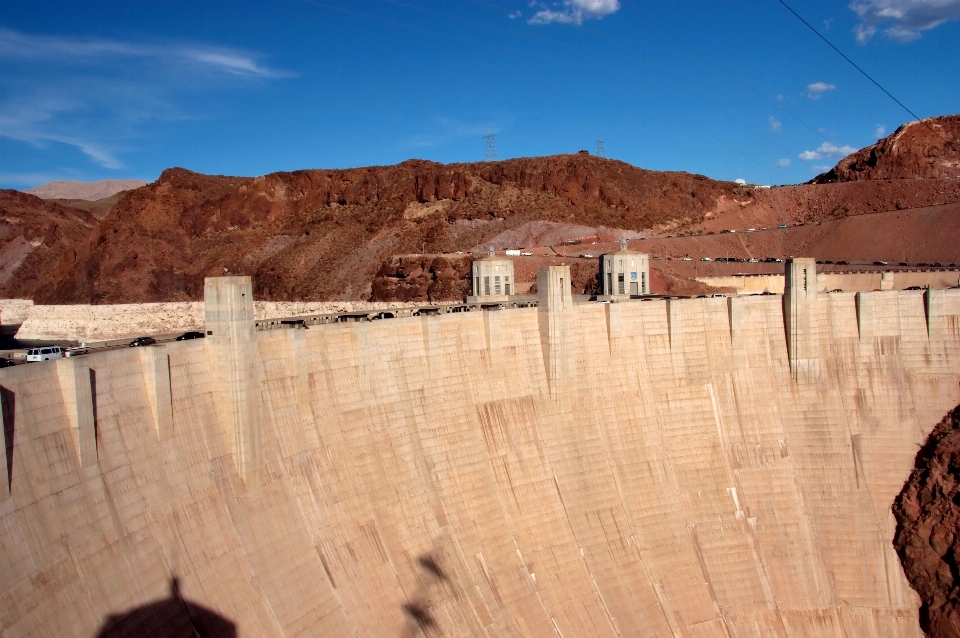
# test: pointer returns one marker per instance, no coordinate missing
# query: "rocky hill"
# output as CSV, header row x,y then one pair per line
x,y
329,234
324,234
924,149
928,522
41,245
90,191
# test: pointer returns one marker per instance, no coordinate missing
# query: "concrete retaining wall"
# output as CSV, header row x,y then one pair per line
x,y
851,282
94,323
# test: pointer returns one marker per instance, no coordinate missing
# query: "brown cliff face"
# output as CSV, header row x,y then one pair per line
x,y
928,528
321,234
422,278
927,149
41,244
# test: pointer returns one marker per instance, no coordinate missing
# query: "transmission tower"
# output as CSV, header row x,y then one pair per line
x,y
491,146
600,148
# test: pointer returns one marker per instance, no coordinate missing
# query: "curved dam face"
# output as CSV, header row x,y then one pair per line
x,y
702,467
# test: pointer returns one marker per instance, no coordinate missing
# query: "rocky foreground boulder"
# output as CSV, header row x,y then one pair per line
x,y
928,528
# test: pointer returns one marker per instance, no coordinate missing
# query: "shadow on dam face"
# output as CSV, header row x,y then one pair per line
x,y
418,610
172,617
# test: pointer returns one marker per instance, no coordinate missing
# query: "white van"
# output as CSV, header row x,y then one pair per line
x,y
45,353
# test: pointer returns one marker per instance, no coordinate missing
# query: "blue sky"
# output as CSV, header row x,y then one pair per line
x,y
100,90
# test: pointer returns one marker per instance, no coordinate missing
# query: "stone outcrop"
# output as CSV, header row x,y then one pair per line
x,y
923,149
928,528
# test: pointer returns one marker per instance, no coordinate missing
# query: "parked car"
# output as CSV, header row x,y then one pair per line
x,y
6,363
143,341
44,354
193,334
76,351
914,288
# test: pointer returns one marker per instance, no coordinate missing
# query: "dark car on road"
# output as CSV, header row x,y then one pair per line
x,y
6,363
193,334
143,341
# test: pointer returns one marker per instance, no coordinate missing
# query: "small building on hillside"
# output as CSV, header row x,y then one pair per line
x,y
492,279
624,273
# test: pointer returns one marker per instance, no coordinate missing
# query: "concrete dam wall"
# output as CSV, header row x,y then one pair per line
x,y
702,467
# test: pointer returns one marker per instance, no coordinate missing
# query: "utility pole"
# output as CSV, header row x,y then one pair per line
x,y
600,148
491,146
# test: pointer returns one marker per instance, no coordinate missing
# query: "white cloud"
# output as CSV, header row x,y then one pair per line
x,y
780,98
881,131
827,150
817,89
819,169
573,11
783,163
775,125
514,15
901,20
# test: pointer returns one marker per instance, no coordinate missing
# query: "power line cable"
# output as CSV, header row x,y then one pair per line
x,y
866,75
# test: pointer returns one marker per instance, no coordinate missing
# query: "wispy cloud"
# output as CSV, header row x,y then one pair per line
x,y
572,11
819,168
881,131
827,150
97,95
901,20
84,51
775,125
783,163
445,130
816,90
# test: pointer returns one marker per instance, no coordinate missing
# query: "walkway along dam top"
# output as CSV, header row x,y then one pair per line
x,y
695,467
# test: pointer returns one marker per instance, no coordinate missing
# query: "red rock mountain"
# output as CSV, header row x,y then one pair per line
x,y
328,234
924,149
41,245
323,234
